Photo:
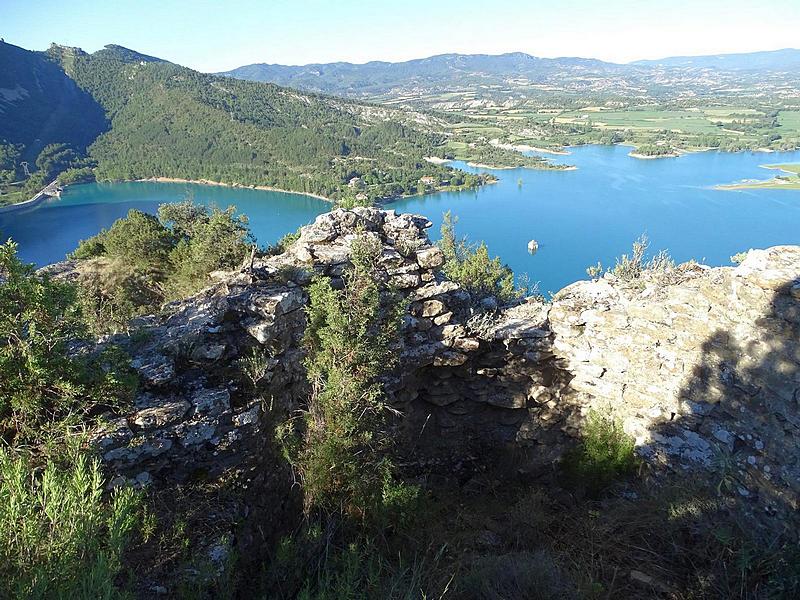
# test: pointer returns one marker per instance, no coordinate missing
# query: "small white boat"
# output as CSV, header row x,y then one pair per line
x,y
533,246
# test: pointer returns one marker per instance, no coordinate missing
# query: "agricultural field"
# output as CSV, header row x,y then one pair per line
x,y
790,119
678,128
684,121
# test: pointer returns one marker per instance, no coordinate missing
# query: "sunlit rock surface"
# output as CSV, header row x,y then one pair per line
x,y
702,365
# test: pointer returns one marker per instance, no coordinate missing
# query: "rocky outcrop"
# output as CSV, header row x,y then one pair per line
x,y
702,365
461,374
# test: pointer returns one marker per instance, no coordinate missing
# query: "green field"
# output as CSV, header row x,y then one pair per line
x,y
682,121
790,119
771,184
794,168
691,126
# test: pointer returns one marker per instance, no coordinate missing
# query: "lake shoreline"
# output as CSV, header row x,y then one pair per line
x,y
506,168
759,184
266,188
528,148
653,156
578,218
776,183
240,186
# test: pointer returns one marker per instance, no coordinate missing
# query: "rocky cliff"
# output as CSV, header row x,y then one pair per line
x,y
702,365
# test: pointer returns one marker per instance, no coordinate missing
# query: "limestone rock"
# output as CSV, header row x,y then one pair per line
x,y
703,364
430,258
431,308
158,416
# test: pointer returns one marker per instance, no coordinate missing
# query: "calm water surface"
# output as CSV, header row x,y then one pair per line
x,y
47,232
578,217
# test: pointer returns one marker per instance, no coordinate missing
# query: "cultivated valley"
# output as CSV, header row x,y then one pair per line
x,y
472,326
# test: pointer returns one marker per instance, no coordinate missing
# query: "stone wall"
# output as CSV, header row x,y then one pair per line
x,y
462,376
704,370
702,365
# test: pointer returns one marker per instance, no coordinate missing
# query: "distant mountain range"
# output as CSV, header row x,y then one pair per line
x,y
787,59
459,71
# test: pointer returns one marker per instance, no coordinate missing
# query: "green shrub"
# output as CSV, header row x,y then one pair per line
x,y
112,293
43,386
359,572
140,240
595,271
739,257
282,245
341,456
211,241
631,268
151,260
309,566
471,267
182,217
349,201
89,248
605,454
59,538
255,365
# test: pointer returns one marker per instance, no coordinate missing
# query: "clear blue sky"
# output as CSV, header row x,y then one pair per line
x,y
213,36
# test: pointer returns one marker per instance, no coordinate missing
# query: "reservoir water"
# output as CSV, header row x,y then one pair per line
x,y
578,217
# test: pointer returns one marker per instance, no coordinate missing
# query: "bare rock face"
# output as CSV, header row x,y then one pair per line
x,y
703,369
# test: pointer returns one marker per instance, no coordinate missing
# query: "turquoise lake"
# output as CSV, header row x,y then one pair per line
x,y
578,217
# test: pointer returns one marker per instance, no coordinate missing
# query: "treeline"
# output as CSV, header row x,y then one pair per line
x,y
43,105
493,156
62,160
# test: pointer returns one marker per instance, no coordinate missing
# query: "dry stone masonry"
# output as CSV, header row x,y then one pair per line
x,y
704,372
703,366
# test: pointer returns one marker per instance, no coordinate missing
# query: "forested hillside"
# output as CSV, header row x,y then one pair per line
x,y
165,120
46,122
174,122
40,104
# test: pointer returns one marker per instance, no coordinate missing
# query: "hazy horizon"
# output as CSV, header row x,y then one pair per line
x,y
197,34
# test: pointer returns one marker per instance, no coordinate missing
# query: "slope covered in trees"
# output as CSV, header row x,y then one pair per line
x,y
170,121
41,105
158,119
46,121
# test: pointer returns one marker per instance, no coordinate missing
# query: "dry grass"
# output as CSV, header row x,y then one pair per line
x,y
643,538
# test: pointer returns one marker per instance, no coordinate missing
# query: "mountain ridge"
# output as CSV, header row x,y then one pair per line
x,y
438,72
780,59
160,119
791,52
